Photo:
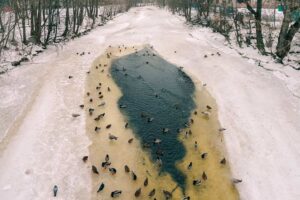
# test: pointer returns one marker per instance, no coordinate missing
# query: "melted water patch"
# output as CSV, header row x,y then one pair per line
x,y
158,100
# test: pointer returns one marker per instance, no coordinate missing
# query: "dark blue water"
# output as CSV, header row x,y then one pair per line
x,y
154,89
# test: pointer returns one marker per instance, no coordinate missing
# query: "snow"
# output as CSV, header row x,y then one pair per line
x,y
16,50
42,145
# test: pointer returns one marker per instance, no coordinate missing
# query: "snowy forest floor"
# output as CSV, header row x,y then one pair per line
x,y
259,105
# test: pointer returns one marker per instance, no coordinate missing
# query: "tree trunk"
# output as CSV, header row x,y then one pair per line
x,y
23,19
1,23
287,33
257,14
38,28
67,20
259,35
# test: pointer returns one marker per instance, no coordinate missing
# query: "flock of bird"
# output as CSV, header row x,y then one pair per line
x,y
107,162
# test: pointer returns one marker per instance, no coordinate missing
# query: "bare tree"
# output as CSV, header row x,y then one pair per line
x,y
39,21
289,27
258,22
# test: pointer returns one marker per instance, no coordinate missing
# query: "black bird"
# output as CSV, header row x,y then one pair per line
x,y
126,125
130,140
107,158
115,193
168,195
101,187
204,155
222,129
204,176
108,126
55,190
112,137
91,110
138,192
196,182
102,103
95,170
127,170
190,166
235,181
113,171
105,164
97,128
146,182
223,161
99,117
81,106
152,193
85,158
165,130
134,177
75,115
122,106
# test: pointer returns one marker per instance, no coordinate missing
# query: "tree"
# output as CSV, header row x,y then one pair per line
x,y
67,19
258,26
39,21
289,27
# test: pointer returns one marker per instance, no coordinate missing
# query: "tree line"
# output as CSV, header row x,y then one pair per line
x,y
224,17
43,22
49,21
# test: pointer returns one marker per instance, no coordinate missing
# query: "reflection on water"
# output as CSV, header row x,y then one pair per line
x,y
157,98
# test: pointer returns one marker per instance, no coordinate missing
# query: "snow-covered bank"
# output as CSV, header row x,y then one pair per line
x,y
44,146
